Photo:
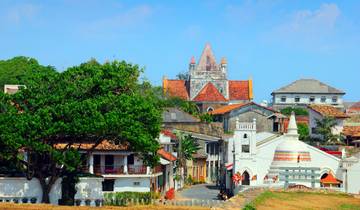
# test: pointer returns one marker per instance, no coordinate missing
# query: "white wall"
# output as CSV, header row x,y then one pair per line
x,y
89,188
20,187
353,177
126,184
305,99
314,116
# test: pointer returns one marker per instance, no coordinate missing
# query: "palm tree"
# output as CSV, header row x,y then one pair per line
x,y
324,126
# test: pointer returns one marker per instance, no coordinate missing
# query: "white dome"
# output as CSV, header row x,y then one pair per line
x,y
290,152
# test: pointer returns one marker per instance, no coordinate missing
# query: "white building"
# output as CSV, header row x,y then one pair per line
x,y
11,89
319,112
274,160
303,92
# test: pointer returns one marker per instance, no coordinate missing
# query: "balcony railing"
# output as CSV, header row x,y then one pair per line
x,y
122,169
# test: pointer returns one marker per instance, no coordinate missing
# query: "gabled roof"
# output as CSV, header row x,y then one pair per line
x,y
207,59
166,155
327,110
176,88
308,86
240,90
209,93
231,107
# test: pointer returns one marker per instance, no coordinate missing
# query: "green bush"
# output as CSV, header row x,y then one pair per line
x,y
123,198
303,130
298,111
249,207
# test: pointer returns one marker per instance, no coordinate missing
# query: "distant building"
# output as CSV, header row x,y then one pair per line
x,y
303,92
11,89
318,112
267,119
354,109
207,84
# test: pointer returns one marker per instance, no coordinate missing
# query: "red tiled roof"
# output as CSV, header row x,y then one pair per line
x,y
326,110
353,131
355,107
166,155
229,108
239,90
169,133
209,93
176,88
226,109
330,179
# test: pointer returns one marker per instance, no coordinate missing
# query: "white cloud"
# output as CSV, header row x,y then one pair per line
x,y
22,12
308,29
130,18
306,21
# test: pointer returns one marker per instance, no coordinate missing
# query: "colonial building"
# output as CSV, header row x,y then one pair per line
x,y
303,92
267,119
208,85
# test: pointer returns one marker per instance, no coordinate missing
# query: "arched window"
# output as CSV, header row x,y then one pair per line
x,y
245,135
210,109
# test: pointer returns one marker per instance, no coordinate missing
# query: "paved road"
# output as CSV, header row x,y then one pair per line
x,y
200,192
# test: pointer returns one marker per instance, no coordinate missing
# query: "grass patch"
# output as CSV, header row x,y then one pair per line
x,y
348,207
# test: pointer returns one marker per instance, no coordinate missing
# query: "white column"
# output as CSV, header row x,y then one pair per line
x,y
208,177
125,164
147,170
91,163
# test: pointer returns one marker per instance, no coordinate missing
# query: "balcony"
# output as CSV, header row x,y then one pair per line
x,y
125,170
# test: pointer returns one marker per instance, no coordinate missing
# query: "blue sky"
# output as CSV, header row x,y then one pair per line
x,y
274,42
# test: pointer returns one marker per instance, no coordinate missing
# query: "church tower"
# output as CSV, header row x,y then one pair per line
x,y
207,70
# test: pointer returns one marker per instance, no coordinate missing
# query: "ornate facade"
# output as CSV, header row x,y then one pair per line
x,y
207,84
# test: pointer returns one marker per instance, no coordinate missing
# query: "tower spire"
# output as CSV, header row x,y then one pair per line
x,y
292,127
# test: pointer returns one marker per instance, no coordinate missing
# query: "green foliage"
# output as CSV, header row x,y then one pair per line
x,y
187,106
123,198
89,102
208,118
303,130
188,147
20,70
298,111
249,207
323,127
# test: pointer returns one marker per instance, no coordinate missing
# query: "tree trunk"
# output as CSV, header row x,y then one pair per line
x,y
46,188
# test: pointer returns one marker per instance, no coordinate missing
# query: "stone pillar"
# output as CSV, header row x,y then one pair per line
x,y
91,163
148,170
208,177
125,164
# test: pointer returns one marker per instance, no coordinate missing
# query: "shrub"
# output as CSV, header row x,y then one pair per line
x,y
249,207
170,194
122,198
303,130
298,111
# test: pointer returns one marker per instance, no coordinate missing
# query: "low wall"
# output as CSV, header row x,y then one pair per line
x,y
17,188
133,184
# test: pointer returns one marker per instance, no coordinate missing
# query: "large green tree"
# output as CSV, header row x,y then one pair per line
x,y
89,102
19,70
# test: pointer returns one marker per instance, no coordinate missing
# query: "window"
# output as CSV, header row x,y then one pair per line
x,y
130,159
245,136
334,99
173,115
323,99
312,99
108,185
297,99
245,148
283,99
136,183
